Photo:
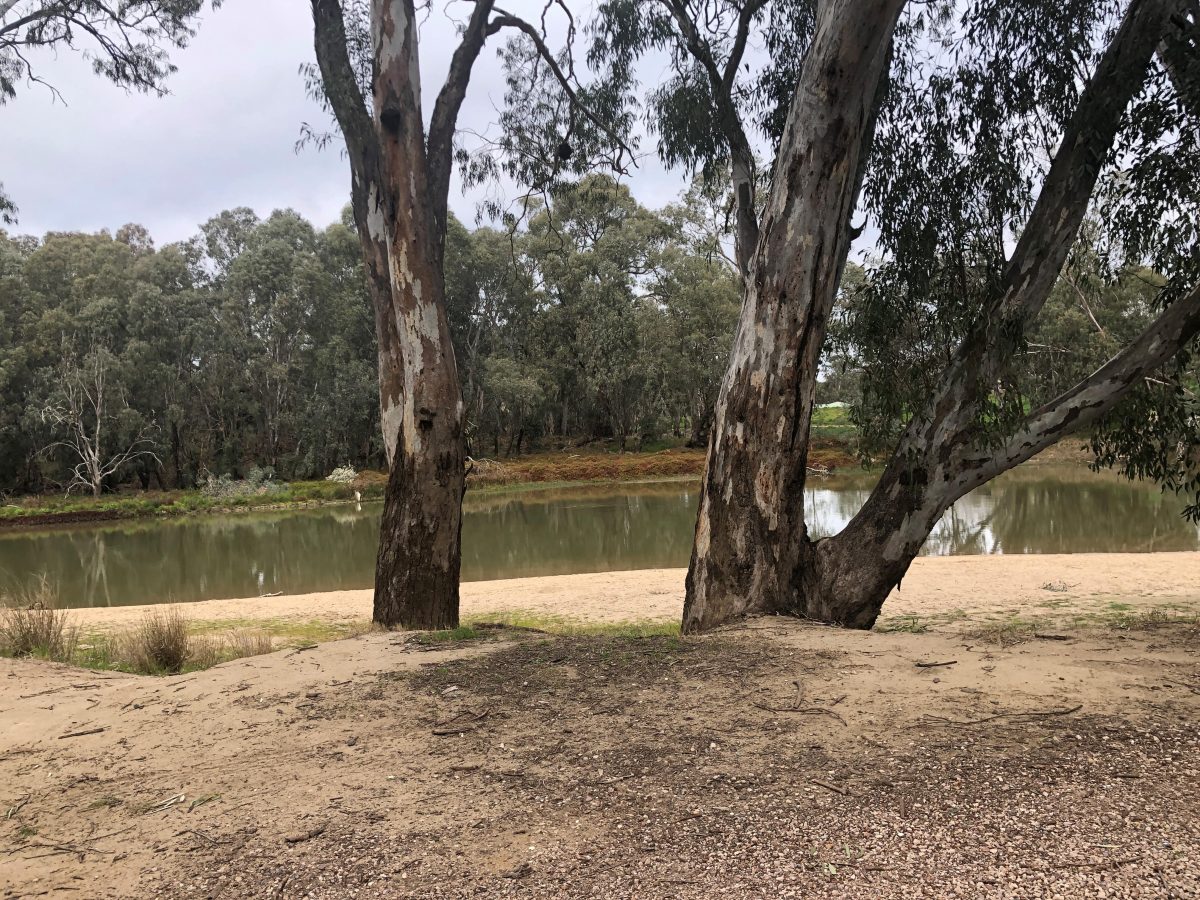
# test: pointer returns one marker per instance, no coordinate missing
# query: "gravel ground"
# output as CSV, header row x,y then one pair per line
x,y
794,763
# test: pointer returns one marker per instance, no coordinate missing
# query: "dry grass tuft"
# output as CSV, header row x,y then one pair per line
x,y
242,643
158,644
32,625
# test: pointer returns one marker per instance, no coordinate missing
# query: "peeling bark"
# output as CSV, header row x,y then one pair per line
x,y
399,203
754,483
752,552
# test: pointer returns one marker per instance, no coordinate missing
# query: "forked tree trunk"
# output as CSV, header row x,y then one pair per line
x,y
754,482
752,551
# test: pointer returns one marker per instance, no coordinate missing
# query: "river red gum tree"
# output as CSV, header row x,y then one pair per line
x,y
752,552
400,185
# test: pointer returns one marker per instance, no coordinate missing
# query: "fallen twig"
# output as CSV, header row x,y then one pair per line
x,y
211,840
84,733
1030,714
934,665
845,792
444,727
81,687
802,710
164,805
296,837
613,780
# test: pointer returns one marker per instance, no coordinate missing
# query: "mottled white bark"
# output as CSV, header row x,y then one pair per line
x,y
752,551
754,483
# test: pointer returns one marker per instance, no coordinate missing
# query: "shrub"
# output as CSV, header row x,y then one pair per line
x,y
32,625
259,480
342,475
159,644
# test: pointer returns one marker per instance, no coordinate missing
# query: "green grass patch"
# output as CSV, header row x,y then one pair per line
x,y
449,636
905,624
833,422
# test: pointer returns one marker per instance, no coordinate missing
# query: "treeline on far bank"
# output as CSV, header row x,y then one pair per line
x,y
252,345
249,350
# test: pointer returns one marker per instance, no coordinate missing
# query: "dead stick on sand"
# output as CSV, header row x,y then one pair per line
x,y
88,731
830,787
934,665
803,710
1030,714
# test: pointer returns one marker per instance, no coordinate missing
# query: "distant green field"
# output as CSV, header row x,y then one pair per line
x,y
833,422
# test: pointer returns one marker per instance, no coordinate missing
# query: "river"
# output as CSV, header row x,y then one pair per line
x,y
1036,509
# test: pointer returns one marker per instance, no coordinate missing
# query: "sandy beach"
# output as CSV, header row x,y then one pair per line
x,y
936,588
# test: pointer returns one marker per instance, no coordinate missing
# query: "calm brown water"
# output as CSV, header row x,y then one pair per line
x,y
553,532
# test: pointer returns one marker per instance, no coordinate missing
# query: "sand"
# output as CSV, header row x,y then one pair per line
x,y
769,760
936,588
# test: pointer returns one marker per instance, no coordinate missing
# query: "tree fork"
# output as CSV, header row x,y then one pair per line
x,y
753,491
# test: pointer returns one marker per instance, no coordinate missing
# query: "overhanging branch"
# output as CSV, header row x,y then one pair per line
x,y
721,85
507,20
1091,398
1179,52
440,141
341,89
1048,235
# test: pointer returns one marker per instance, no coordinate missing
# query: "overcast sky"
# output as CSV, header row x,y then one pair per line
x,y
224,137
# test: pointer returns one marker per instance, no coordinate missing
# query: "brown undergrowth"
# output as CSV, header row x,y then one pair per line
x,y
591,466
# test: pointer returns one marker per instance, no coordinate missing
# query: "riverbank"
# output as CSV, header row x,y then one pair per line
x,y
1112,589
560,469
770,759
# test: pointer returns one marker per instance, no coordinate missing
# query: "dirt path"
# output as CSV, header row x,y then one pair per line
x,y
935,589
769,760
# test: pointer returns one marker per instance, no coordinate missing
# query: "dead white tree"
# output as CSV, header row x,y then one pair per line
x,y
85,408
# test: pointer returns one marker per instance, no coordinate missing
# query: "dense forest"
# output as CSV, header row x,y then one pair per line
x,y
253,344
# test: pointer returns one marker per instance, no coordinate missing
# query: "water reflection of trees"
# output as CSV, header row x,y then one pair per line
x,y
647,529
1040,509
555,531
192,559
1104,515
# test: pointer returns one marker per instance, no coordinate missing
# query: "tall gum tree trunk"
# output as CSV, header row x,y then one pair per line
x,y
752,551
417,571
754,482
399,202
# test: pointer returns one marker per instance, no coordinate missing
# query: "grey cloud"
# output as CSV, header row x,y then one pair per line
x,y
224,136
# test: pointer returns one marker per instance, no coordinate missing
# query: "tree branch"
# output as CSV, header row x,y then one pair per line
x,y
1095,395
741,155
440,141
507,20
341,89
1179,53
1047,237
745,18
